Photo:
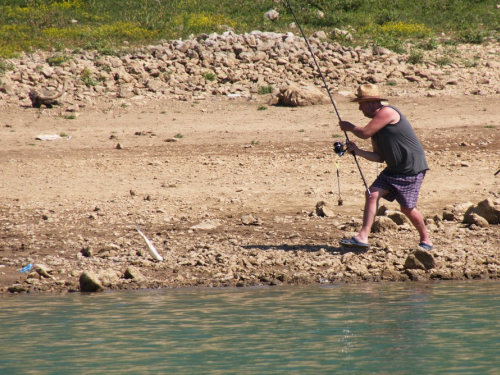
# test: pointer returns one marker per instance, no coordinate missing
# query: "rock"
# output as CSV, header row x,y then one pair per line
x,y
108,277
294,96
341,34
209,224
250,220
437,85
271,15
154,85
475,219
420,259
323,210
488,209
43,270
133,273
456,212
383,224
398,217
89,282
17,288
382,210
125,93
87,252
412,263
425,257
321,35
417,275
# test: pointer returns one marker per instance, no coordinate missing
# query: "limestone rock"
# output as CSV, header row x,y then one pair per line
x,y
133,273
425,257
397,216
250,220
89,282
323,209
475,219
294,96
272,15
383,224
208,224
488,209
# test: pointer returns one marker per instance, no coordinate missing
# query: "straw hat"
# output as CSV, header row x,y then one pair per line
x,y
368,93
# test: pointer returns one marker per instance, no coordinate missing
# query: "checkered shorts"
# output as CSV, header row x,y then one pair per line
x,y
404,189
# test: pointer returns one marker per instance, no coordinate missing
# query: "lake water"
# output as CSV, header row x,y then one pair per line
x,y
394,328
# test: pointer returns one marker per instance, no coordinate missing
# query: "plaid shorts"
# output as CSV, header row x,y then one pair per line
x,y
404,189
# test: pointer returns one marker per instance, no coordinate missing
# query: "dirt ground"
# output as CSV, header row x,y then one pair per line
x,y
230,159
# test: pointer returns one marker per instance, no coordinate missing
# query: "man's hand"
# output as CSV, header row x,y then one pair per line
x,y
352,148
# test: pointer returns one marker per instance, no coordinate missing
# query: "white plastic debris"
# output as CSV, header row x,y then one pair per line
x,y
151,247
47,137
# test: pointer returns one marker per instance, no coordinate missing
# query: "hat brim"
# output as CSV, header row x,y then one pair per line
x,y
369,99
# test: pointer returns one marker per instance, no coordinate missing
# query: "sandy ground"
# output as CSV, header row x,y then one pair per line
x,y
232,159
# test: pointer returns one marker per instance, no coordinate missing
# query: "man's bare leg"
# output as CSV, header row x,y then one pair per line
x,y
418,222
371,207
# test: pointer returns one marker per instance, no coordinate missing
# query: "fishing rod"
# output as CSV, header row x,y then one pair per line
x,y
337,146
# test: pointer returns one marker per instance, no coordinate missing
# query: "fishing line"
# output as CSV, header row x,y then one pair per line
x,y
327,89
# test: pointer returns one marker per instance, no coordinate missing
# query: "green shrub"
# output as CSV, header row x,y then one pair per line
x,y
57,60
88,78
429,44
210,76
416,57
472,36
444,60
268,89
5,67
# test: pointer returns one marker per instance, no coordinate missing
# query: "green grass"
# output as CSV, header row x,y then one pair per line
x,y
261,108
111,25
179,136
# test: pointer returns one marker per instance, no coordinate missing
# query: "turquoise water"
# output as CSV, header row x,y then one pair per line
x,y
396,328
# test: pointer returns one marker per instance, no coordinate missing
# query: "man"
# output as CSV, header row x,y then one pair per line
x,y
395,143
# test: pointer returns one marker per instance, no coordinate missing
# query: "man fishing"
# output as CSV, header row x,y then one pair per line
x,y
395,143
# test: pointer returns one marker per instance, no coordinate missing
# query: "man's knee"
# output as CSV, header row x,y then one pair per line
x,y
407,210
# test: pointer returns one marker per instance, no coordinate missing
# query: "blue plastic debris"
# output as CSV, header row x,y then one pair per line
x,y
27,268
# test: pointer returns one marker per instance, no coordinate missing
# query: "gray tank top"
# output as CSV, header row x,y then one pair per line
x,y
402,151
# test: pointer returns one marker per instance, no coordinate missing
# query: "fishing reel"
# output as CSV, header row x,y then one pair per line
x,y
339,148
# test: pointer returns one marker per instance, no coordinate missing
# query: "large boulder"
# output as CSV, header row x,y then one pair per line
x,y
295,96
420,259
89,282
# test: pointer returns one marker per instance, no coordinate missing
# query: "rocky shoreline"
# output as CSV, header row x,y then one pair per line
x,y
197,255
92,245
